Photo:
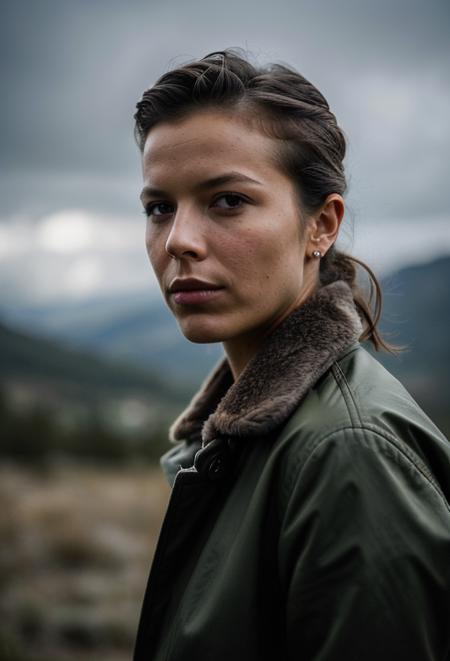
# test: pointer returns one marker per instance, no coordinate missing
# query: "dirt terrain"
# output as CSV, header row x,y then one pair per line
x,y
75,548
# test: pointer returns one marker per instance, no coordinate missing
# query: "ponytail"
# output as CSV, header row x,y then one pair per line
x,y
336,265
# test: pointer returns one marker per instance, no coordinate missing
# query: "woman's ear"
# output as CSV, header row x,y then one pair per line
x,y
324,224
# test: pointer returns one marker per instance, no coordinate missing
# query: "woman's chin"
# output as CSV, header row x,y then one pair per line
x,y
201,333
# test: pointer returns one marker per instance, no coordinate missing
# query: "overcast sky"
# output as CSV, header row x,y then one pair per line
x,y
72,71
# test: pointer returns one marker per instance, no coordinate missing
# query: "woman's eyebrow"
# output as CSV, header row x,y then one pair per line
x,y
221,180
227,178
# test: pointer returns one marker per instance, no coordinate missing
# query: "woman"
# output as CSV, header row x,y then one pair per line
x,y
309,517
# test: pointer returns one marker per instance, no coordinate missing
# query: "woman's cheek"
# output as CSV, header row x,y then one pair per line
x,y
155,244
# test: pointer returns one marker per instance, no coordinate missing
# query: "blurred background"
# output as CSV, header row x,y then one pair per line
x,y
92,366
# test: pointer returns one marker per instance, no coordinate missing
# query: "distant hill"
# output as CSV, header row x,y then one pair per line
x,y
135,329
58,404
30,358
417,311
142,331
416,314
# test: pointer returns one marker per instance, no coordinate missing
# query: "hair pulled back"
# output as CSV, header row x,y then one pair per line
x,y
289,108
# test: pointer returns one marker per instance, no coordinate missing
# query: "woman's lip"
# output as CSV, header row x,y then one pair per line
x,y
191,284
195,296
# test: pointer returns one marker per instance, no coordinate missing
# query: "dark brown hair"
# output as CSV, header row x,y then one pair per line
x,y
291,109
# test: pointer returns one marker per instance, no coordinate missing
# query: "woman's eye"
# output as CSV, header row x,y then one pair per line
x,y
158,209
229,201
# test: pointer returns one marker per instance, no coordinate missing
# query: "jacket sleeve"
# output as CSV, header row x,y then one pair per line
x,y
364,554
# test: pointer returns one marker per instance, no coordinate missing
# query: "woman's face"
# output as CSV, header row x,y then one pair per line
x,y
224,234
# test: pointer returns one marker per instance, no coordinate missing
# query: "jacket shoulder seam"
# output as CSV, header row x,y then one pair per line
x,y
344,387
408,455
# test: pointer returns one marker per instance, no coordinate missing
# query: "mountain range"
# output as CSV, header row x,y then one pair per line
x,y
135,329
141,333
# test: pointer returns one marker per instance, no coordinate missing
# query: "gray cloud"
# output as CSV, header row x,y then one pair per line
x,y
72,72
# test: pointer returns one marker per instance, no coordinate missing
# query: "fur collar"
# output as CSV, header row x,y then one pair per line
x,y
300,350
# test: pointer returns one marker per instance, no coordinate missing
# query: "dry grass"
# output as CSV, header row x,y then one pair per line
x,y
75,549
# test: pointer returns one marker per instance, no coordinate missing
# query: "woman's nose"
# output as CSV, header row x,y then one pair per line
x,y
185,239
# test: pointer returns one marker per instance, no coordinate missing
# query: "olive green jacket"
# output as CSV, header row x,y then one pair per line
x,y
309,517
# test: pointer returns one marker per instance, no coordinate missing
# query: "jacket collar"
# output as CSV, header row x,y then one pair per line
x,y
300,350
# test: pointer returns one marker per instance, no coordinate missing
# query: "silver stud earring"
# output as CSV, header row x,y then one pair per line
x,y
317,254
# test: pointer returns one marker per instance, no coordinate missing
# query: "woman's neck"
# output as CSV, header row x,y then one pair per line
x,y
239,353
240,350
